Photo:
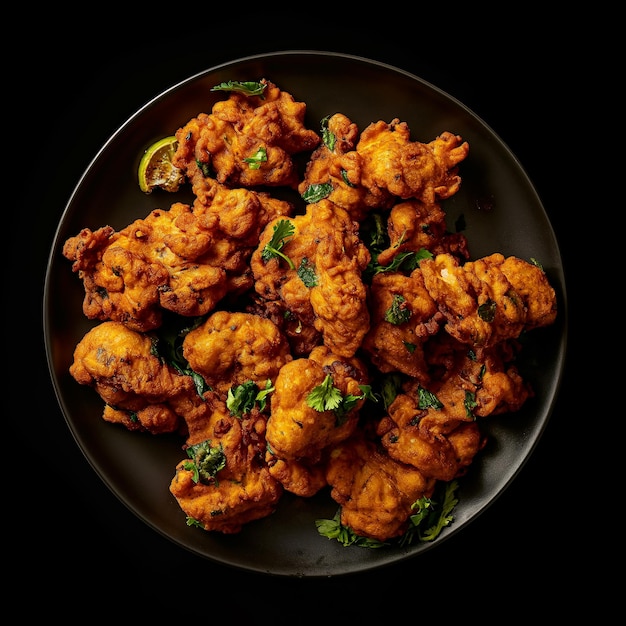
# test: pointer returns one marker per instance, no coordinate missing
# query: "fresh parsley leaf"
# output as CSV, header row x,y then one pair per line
x,y
247,88
283,231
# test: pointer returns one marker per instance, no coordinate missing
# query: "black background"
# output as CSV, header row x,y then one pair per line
x,y
71,534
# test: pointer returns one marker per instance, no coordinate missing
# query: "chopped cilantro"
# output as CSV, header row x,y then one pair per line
x,y
399,311
316,192
306,272
260,156
428,400
283,230
206,461
242,398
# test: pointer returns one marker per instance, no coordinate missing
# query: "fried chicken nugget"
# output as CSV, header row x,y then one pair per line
x,y
326,243
403,317
229,349
481,305
224,483
375,491
295,430
393,165
248,140
137,387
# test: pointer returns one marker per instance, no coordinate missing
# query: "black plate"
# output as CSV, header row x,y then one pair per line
x,y
502,211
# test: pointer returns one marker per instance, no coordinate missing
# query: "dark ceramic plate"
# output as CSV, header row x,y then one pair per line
x,y
502,213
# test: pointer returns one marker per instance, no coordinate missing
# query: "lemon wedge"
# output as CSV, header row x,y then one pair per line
x,y
156,168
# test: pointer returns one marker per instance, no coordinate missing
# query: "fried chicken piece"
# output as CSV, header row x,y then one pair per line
x,y
233,485
481,305
229,349
326,244
394,165
413,225
403,317
139,389
295,430
247,140
375,492
339,165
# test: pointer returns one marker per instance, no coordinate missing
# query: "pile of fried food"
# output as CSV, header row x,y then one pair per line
x,y
294,314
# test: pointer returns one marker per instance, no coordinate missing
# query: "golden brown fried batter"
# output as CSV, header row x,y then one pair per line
x,y
227,141
326,241
393,165
481,305
413,225
403,317
229,349
442,439
119,364
341,168
375,491
297,477
295,430
184,260
243,490
302,338
431,450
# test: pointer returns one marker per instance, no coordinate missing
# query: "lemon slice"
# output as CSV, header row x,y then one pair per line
x,y
156,169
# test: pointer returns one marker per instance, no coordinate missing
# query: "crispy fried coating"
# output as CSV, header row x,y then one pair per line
x,y
437,454
302,338
339,165
139,389
295,430
375,491
442,440
229,349
403,317
300,478
327,242
413,225
184,259
227,141
393,165
243,490
481,305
